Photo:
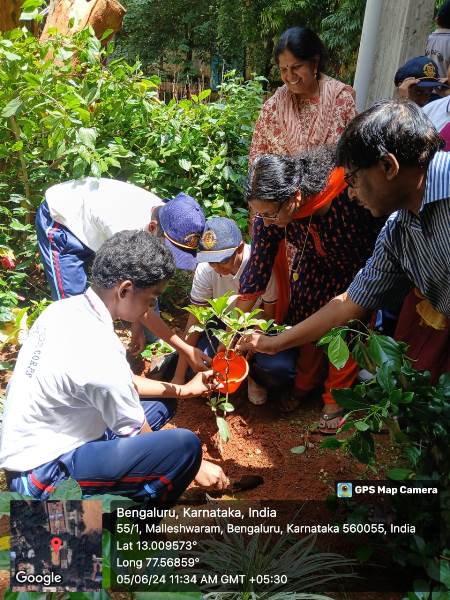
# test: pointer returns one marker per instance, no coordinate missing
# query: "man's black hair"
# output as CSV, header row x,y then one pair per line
x,y
443,16
273,178
304,44
134,255
397,127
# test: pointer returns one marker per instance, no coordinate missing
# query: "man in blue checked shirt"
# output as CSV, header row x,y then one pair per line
x,y
391,154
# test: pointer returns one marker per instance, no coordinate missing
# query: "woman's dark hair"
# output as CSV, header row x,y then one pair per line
x,y
304,44
395,127
443,16
134,255
277,178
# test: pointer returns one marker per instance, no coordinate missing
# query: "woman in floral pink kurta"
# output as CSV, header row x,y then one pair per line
x,y
311,109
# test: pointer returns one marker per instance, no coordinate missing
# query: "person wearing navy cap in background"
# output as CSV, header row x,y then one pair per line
x,y
78,216
222,257
439,114
438,43
417,79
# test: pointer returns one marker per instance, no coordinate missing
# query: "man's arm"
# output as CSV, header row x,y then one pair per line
x,y
337,312
382,282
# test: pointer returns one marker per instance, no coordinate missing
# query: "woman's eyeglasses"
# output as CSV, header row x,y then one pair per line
x,y
269,217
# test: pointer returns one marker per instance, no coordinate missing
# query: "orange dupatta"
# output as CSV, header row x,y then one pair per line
x,y
335,186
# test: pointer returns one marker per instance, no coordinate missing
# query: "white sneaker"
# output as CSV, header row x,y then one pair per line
x,y
257,394
364,375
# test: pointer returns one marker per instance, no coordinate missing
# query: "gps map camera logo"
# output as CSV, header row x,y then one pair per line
x,y
344,490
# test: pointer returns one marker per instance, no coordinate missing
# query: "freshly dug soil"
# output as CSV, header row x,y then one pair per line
x,y
260,444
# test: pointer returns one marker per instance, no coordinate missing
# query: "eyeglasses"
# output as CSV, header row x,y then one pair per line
x,y
349,177
271,217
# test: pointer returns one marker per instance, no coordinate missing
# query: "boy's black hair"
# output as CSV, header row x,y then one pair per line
x,y
443,16
134,255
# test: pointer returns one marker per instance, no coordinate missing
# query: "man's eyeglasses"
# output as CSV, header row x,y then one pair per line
x,y
349,178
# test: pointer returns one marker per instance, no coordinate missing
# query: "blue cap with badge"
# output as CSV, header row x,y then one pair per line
x,y
182,222
422,68
219,241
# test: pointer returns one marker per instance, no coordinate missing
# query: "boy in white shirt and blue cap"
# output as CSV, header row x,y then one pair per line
x,y
78,216
221,258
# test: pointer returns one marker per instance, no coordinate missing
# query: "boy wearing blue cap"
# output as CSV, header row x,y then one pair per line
x,y
221,258
418,79
78,216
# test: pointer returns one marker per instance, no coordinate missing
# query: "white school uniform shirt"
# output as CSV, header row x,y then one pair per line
x,y
438,112
71,381
95,209
208,284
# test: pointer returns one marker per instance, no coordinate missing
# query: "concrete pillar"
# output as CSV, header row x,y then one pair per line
x,y
400,34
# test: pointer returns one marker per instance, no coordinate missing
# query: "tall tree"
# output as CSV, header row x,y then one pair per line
x,y
69,16
9,14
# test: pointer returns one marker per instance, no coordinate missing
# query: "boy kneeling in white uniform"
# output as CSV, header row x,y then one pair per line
x,y
73,406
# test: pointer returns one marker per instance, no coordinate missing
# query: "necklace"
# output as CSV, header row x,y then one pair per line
x,y
296,263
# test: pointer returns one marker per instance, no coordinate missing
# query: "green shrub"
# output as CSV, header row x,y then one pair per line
x,y
417,415
65,112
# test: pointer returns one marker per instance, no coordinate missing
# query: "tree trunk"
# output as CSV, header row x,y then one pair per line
x,y
70,16
9,14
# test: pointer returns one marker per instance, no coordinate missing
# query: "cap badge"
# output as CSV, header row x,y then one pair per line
x,y
192,240
209,240
428,70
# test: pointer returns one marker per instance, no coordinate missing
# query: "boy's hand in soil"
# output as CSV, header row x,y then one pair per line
x,y
200,384
257,342
211,475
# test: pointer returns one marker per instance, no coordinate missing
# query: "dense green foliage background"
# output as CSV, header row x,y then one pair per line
x,y
63,118
179,40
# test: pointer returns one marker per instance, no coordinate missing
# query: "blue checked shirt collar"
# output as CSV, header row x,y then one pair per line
x,y
437,186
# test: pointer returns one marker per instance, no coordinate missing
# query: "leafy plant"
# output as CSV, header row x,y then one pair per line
x,y
417,415
156,350
226,323
62,119
16,322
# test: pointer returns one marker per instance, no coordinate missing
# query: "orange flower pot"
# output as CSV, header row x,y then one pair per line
x,y
230,370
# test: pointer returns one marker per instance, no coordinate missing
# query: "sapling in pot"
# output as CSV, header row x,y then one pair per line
x,y
225,324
